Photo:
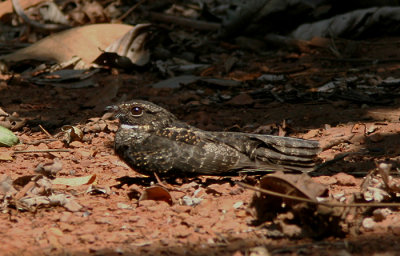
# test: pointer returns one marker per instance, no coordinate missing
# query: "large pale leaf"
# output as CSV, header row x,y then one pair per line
x,y
85,42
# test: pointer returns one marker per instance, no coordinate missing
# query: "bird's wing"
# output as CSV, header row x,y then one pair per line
x,y
181,134
218,152
190,151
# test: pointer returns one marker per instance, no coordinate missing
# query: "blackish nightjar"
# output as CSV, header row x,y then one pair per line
x,y
152,140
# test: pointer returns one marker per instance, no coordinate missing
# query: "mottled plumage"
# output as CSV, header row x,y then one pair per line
x,y
152,140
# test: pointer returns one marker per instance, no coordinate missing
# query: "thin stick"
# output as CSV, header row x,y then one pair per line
x,y
46,132
134,7
41,151
185,22
337,158
301,199
158,179
25,190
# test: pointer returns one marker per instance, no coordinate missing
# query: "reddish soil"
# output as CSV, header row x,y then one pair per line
x,y
113,222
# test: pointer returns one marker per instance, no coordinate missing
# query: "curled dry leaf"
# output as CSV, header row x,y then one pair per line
x,y
72,133
13,123
130,48
64,200
50,169
157,193
7,137
34,192
7,7
51,12
30,203
6,186
379,186
302,186
37,185
292,217
95,190
293,184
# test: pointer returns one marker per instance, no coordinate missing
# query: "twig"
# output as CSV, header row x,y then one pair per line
x,y
41,151
306,200
158,179
166,186
25,190
37,142
134,7
195,24
337,158
46,132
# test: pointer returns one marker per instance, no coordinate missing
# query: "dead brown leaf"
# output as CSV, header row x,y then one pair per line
x,y
293,184
294,218
85,42
133,45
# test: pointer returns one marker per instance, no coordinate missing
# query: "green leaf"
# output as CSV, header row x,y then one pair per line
x,y
7,137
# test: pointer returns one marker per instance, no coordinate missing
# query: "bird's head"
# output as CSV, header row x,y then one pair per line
x,y
140,114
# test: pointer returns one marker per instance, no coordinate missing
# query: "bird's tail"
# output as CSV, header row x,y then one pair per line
x,y
272,152
289,153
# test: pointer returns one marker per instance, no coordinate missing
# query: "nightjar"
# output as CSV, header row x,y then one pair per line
x,y
152,140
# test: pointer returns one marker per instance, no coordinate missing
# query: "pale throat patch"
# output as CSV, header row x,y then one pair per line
x,y
145,127
129,126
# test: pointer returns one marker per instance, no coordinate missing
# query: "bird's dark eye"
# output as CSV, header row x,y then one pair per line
x,y
137,111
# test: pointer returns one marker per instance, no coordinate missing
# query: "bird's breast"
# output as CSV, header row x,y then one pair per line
x,y
129,136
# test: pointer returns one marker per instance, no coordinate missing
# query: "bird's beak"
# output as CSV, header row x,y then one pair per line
x,y
111,108
112,111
